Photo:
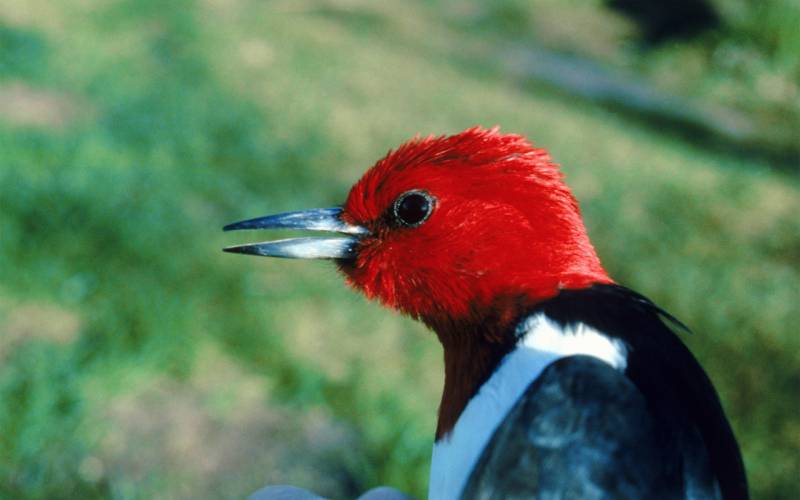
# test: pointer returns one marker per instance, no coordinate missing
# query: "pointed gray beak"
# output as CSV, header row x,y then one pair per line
x,y
316,219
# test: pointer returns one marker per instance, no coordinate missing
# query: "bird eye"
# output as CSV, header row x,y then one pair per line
x,y
413,208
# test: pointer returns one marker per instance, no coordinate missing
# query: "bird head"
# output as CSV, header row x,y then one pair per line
x,y
454,230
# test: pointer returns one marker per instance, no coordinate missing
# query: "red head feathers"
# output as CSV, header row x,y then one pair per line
x,y
504,228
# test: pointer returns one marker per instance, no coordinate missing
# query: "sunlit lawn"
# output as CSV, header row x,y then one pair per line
x,y
139,361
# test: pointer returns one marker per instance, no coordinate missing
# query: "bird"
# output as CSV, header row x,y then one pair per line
x,y
559,382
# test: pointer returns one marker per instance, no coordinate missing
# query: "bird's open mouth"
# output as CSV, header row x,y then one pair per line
x,y
316,219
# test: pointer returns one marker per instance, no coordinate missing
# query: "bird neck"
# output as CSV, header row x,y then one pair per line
x,y
473,348
465,370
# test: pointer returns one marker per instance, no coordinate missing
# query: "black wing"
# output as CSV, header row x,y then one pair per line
x,y
671,380
584,430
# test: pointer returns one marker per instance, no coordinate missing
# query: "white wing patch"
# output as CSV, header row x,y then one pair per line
x,y
544,334
542,341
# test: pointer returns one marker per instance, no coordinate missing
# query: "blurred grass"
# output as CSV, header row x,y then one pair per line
x,y
743,78
122,326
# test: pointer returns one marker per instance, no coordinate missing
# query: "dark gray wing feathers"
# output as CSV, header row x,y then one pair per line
x,y
583,430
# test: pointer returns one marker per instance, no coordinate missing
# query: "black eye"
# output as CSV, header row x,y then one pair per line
x,y
412,208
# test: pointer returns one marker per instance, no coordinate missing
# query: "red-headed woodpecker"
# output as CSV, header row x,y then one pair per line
x,y
558,383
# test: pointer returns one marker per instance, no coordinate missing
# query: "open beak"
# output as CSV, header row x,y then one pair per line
x,y
315,219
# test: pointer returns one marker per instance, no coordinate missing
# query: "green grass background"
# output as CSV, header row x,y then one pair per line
x,y
139,361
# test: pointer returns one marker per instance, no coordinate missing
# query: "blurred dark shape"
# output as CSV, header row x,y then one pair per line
x,y
284,492
661,21
700,122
